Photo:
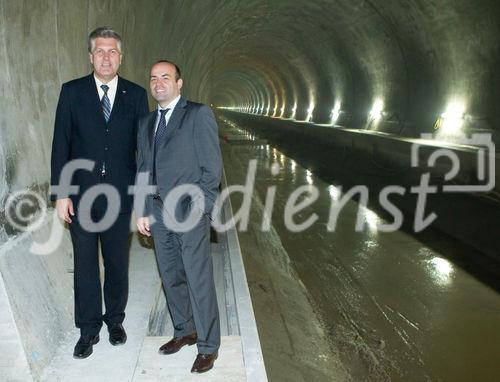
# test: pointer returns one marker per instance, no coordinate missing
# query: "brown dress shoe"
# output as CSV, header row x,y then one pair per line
x,y
176,343
204,362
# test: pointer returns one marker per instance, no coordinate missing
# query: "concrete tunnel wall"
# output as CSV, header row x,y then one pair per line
x,y
284,58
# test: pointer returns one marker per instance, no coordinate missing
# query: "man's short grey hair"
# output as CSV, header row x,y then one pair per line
x,y
104,32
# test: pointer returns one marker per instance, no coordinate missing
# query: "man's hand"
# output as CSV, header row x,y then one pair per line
x,y
64,208
143,226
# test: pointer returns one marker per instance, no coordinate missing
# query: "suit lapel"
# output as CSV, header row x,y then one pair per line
x,y
175,121
151,127
93,97
118,105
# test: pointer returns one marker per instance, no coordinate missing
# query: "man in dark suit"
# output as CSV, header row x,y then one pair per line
x,y
178,146
96,120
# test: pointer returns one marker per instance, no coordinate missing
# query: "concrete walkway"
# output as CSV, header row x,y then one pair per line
x,y
138,359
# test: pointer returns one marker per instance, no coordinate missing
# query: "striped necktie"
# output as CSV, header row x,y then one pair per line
x,y
106,105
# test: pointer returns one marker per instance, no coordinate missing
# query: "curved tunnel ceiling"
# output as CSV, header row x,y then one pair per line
x,y
414,56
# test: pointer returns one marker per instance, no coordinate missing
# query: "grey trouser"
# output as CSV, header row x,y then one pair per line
x,y
186,271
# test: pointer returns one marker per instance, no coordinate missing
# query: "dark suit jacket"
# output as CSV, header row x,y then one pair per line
x,y
189,152
81,132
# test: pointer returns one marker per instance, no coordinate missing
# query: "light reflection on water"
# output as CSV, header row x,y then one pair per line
x,y
282,159
309,177
414,266
334,192
441,270
371,219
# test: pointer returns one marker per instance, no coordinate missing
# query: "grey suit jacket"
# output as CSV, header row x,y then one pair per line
x,y
189,153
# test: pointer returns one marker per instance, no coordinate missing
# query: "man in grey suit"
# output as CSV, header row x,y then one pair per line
x,y
178,146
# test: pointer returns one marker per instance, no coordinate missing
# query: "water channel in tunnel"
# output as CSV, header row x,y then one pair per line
x,y
362,306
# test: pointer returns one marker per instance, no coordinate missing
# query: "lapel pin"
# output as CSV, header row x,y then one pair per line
x,y
124,91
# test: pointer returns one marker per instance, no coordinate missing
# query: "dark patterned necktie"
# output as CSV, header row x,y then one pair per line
x,y
106,105
160,133
162,126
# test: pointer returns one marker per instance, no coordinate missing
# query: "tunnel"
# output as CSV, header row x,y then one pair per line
x,y
342,94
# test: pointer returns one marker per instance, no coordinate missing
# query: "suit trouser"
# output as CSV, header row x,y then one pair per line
x,y
115,245
186,271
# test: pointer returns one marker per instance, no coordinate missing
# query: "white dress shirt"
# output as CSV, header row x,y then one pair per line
x,y
170,106
113,84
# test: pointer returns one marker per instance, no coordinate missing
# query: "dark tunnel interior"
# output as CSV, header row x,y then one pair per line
x,y
311,77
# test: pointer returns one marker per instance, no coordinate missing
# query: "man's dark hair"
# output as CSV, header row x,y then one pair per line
x,y
104,32
177,70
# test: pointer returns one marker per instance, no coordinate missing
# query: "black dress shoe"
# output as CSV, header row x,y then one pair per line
x,y
83,347
117,335
176,343
204,362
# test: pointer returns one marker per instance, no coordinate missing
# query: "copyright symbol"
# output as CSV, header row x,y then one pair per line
x,y
25,210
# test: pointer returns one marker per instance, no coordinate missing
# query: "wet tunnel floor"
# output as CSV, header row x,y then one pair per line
x,y
362,306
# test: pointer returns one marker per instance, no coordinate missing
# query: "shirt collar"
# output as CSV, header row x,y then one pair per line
x,y
171,105
111,84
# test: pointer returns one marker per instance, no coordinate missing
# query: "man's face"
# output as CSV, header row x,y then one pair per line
x,y
164,87
106,58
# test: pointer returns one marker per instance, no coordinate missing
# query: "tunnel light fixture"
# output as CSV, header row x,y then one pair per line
x,y
267,110
452,119
274,111
261,109
282,111
310,111
294,111
377,109
335,113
